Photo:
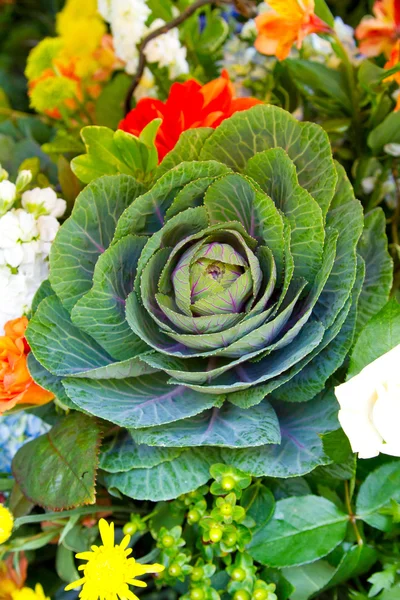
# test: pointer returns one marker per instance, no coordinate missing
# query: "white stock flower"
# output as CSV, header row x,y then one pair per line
x,y
167,51
8,192
17,226
127,19
47,227
370,407
43,201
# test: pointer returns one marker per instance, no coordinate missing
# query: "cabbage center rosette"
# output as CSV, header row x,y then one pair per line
x,y
190,313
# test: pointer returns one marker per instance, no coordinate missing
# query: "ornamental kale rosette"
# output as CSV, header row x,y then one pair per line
x,y
194,311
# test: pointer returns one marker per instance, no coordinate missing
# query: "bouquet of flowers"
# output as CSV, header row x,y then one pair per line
x,y
198,366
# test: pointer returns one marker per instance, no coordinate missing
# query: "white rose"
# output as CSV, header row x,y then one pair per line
x,y
370,407
8,193
43,201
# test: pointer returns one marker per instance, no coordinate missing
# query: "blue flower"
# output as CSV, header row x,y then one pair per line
x,y
15,431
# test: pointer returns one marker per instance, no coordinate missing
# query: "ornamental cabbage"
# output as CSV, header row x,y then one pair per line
x,y
196,312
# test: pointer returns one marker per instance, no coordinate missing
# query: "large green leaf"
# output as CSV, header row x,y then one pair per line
x,y
387,132
101,312
112,152
227,426
122,454
58,345
147,215
381,334
234,198
346,216
135,402
167,480
308,579
354,562
188,147
373,247
48,381
313,372
276,174
300,450
301,530
87,233
262,127
58,470
316,81
381,486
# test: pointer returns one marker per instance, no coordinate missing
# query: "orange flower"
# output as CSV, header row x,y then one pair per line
x,y
392,62
288,23
16,383
11,579
189,105
378,34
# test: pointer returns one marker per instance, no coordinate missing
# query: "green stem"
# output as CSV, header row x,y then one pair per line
x,y
56,516
342,53
352,516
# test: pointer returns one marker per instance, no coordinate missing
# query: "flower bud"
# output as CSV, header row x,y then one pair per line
x,y
7,196
23,180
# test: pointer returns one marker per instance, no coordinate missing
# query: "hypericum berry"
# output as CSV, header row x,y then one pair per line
x,y
167,540
226,509
193,516
238,574
129,528
260,594
228,483
215,534
241,595
197,574
175,570
197,594
230,539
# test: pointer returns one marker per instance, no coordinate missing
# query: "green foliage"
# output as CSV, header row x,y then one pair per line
x,y
109,153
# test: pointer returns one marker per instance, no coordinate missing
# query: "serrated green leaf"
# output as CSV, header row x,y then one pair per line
x,y
58,470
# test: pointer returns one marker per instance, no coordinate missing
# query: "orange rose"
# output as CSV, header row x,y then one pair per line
x,y
16,383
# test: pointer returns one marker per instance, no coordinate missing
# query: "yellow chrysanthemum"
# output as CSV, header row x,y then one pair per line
x,y
6,524
42,56
81,29
26,593
52,93
109,572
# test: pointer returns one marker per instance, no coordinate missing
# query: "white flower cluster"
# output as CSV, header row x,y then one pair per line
x,y
26,234
127,20
322,49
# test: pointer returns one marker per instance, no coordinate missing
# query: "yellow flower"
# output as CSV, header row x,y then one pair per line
x,y
26,593
42,56
108,571
6,524
52,92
